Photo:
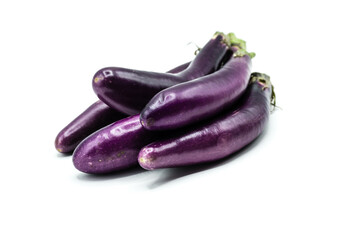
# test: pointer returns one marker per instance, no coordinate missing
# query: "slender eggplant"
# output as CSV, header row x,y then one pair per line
x,y
113,148
128,90
199,99
219,137
93,118
96,116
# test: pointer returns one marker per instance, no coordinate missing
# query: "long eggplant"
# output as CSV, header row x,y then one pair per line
x,y
93,118
129,90
199,99
113,148
218,138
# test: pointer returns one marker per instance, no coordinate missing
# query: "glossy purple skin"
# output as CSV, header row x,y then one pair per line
x,y
197,100
214,140
96,116
128,90
93,118
112,148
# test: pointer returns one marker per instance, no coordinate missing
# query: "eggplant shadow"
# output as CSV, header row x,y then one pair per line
x,y
63,155
111,176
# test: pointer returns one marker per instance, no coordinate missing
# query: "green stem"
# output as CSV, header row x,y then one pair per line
x,y
225,37
234,41
240,44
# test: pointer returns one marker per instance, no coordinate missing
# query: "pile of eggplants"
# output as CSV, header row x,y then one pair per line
x,y
198,112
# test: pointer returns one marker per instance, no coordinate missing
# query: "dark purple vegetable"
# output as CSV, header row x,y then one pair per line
x,y
219,137
96,116
93,118
128,90
112,148
199,99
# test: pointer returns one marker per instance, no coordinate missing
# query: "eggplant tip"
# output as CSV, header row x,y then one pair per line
x,y
147,123
98,78
145,163
142,160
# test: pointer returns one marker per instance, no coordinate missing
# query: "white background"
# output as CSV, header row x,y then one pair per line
x,y
299,180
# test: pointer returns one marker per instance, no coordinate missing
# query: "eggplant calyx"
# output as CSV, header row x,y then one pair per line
x,y
240,44
264,81
234,41
242,52
225,38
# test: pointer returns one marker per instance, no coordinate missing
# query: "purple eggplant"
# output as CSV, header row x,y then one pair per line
x,y
219,137
128,90
93,118
199,99
96,116
113,148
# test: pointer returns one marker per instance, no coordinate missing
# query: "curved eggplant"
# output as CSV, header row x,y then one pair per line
x,y
128,90
218,138
112,148
200,99
96,116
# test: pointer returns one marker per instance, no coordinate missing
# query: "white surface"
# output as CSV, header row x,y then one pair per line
x,y
300,180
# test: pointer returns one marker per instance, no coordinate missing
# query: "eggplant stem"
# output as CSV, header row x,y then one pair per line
x,y
232,41
264,80
225,37
240,44
273,98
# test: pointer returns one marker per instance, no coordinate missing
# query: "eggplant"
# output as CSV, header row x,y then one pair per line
x,y
218,138
93,118
112,148
199,99
129,90
96,116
